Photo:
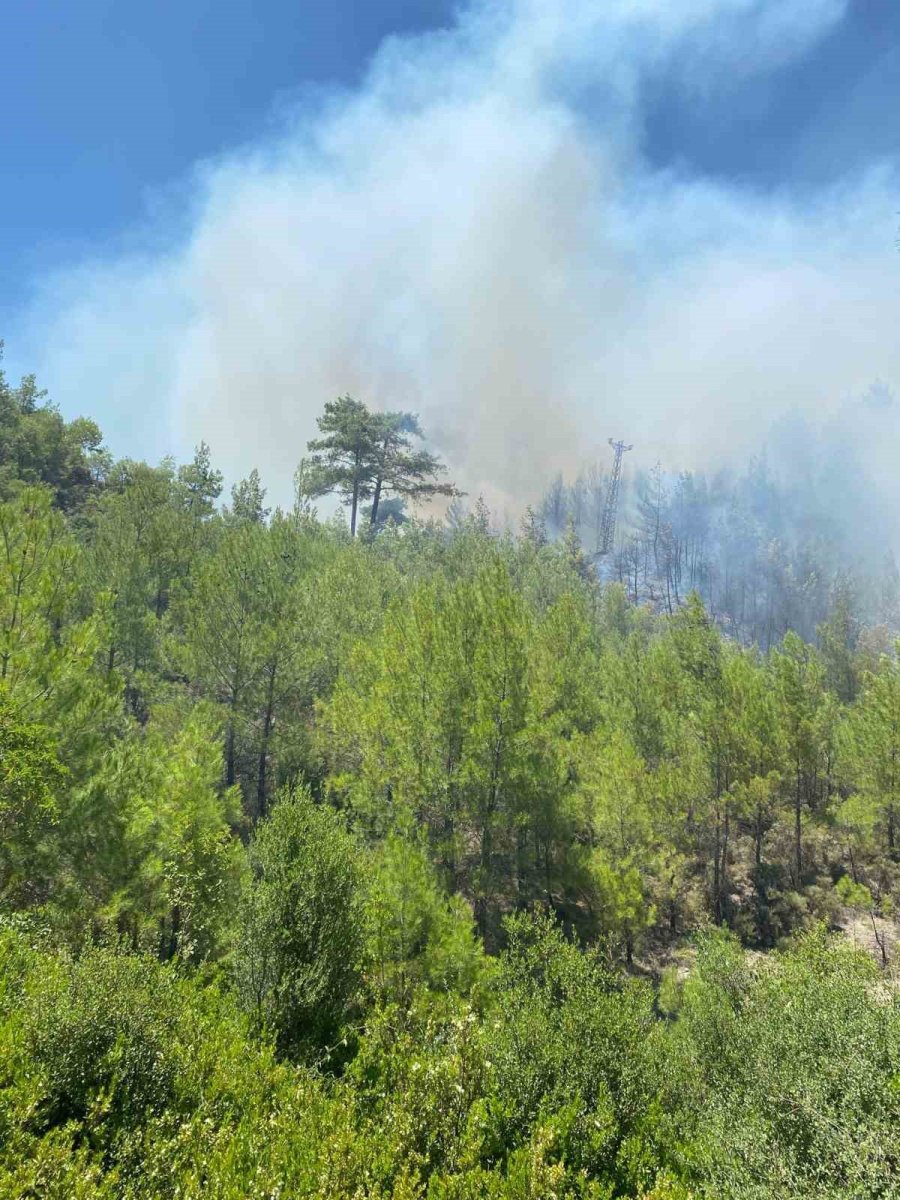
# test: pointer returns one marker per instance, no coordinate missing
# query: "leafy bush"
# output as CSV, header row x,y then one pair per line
x,y
297,964
571,1041
102,1033
795,1061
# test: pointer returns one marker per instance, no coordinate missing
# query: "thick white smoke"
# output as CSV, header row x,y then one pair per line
x,y
474,234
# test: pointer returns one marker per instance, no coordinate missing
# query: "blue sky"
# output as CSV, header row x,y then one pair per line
x,y
824,115
675,219
107,100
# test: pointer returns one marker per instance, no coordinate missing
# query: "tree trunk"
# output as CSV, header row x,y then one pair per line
x,y
353,508
521,866
485,889
261,797
376,500
229,754
798,863
717,871
880,940
174,932
723,874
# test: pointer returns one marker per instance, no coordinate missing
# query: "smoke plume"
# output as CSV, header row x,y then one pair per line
x,y
476,233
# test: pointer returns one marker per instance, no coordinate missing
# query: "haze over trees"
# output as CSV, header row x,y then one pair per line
x,y
767,551
431,864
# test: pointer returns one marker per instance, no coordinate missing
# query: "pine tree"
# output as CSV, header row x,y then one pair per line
x,y
224,623
366,455
534,531
399,470
248,500
344,459
871,757
31,780
798,676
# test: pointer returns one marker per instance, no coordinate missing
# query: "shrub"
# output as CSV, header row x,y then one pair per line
x,y
297,964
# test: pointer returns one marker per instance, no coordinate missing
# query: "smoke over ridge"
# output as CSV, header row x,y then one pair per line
x,y
475,233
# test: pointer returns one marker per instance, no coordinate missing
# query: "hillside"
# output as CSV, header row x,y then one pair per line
x,y
363,866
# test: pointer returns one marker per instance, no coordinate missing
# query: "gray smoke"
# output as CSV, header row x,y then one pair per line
x,y
475,234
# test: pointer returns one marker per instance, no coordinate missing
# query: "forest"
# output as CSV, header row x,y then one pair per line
x,y
394,856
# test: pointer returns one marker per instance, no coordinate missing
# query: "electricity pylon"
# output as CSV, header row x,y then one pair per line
x,y
610,509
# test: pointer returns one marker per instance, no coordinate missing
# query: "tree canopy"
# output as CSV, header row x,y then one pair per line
x,y
369,456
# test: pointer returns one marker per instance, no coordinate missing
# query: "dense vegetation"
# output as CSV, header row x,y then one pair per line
x,y
420,862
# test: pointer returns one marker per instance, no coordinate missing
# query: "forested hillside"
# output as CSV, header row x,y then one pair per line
x,y
407,858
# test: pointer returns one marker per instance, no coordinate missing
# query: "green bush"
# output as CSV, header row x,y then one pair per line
x,y
120,1076
102,1031
774,1078
298,961
796,1066
571,1042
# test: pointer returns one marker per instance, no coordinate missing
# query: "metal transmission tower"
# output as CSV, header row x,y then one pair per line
x,y
608,527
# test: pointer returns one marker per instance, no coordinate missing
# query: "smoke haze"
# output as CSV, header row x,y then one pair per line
x,y
477,234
